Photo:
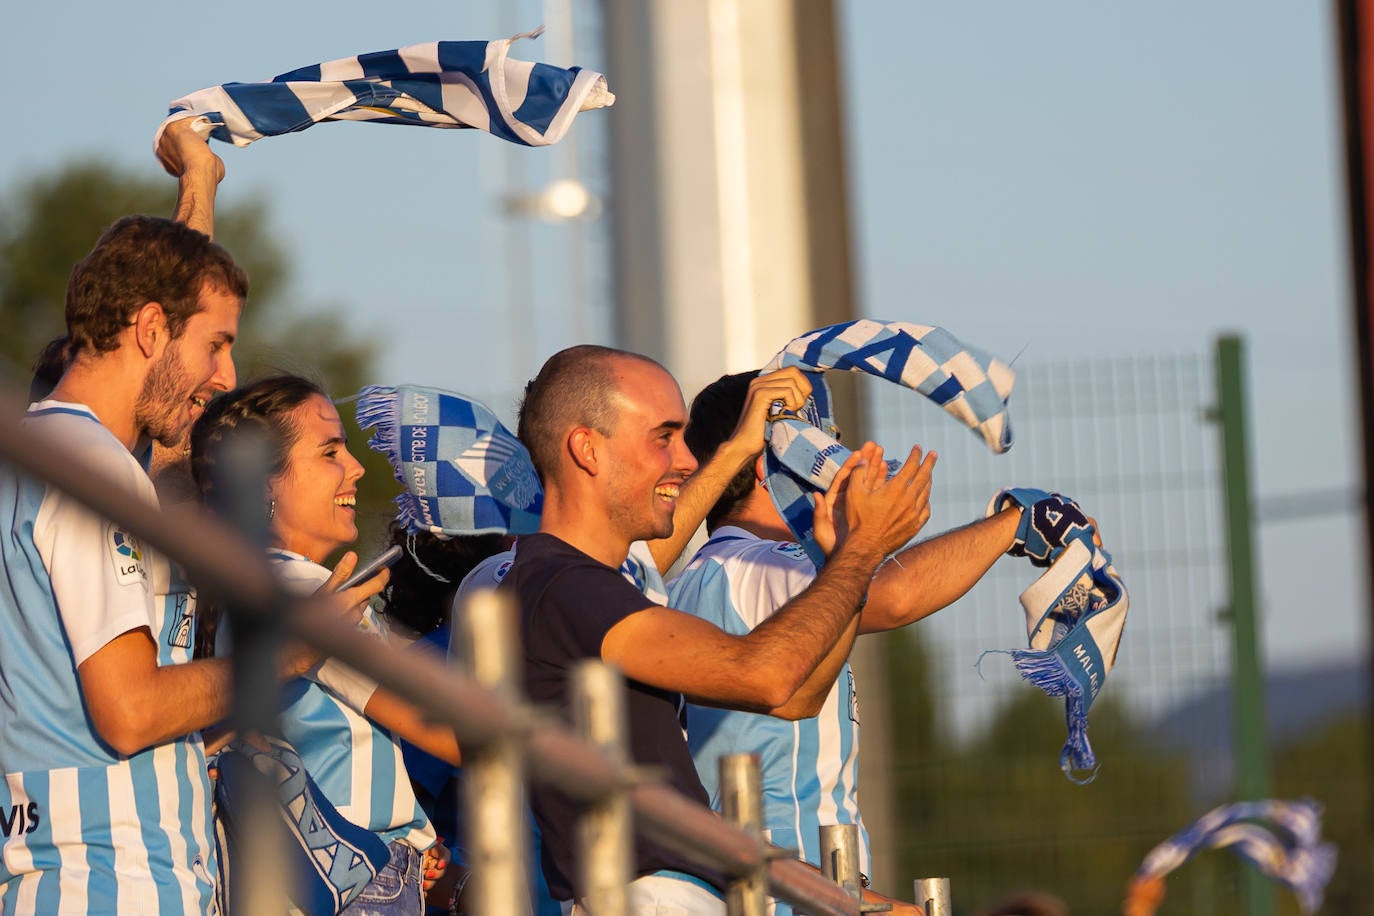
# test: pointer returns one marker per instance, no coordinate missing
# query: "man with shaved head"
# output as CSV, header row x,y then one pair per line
x,y
604,429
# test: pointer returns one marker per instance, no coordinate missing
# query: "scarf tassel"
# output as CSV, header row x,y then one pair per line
x,y
378,409
1046,671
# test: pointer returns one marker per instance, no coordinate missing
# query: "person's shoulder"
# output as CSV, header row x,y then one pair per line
x,y
541,550
297,573
82,433
734,547
489,573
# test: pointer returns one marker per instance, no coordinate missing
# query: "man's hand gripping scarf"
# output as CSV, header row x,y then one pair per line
x,y
1075,611
803,454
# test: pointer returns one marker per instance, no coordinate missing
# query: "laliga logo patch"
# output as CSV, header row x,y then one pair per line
x,y
502,569
127,555
790,550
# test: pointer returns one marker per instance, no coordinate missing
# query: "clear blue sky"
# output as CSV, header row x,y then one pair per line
x,y
1069,179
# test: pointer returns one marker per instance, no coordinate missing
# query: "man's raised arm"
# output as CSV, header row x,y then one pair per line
x,y
762,669
198,172
789,387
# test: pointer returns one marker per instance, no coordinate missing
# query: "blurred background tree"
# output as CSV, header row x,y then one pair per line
x,y
50,221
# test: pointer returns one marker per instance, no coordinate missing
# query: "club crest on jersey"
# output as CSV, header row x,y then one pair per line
x,y
185,620
127,555
791,550
500,572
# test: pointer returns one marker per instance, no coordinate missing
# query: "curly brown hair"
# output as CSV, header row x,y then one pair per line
x,y
141,259
413,597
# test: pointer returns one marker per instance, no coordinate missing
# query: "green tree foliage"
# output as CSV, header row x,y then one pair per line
x,y
50,221
1332,765
994,813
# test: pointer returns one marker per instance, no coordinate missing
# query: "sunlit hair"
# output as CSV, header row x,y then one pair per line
x,y
575,387
141,259
269,405
714,415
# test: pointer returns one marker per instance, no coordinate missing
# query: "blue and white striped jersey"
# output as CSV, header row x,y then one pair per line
x,y
809,767
84,829
364,776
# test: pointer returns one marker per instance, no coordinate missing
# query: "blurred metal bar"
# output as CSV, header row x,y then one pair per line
x,y
933,895
259,878
1247,673
741,804
216,557
606,831
840,857
1355,34
1283,507
494,770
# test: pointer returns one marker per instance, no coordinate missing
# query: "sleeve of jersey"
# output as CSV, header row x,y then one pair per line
x,y
99,575
351,686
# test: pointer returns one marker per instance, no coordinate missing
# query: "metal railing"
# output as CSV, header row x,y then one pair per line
x,y
504,739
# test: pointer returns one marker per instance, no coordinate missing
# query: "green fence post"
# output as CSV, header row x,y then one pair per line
x,y
1247,674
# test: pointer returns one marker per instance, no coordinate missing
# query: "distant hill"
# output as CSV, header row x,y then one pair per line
x,y
1299,701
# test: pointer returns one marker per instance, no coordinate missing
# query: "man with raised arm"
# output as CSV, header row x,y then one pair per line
x,y
105,800
604,430
744,575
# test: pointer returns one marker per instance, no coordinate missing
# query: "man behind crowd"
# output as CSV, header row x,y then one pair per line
x,y
604,431
747,572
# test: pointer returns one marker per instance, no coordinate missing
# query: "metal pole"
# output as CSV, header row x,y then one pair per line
x,y
606,831
741,804
1247,675
932,894
494,771
840,857
259,880
1356,39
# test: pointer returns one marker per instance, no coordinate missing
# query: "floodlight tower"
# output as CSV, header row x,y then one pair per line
x,y
730,220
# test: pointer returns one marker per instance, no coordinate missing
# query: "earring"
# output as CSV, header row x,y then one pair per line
x,y
271,509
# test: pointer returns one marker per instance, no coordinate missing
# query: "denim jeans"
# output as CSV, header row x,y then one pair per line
x,y
396,891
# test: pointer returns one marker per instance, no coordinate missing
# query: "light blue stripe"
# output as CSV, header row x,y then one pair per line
x,y
93,791
147,808
806,785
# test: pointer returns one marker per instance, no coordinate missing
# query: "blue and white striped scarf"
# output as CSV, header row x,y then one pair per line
x,y
435,84
331,860
1282,838
803,453
1075,612
463,471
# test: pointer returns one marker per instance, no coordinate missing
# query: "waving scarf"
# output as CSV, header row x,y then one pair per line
x,y
1282,839
435,84
803,453
462,470
1075,611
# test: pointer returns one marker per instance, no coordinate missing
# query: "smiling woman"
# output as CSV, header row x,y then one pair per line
x,y
328,716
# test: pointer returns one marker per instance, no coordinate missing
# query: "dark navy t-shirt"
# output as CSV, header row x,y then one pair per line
x,y
569,602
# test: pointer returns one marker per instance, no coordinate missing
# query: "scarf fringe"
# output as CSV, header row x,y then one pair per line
x,y
377,409
1046,671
